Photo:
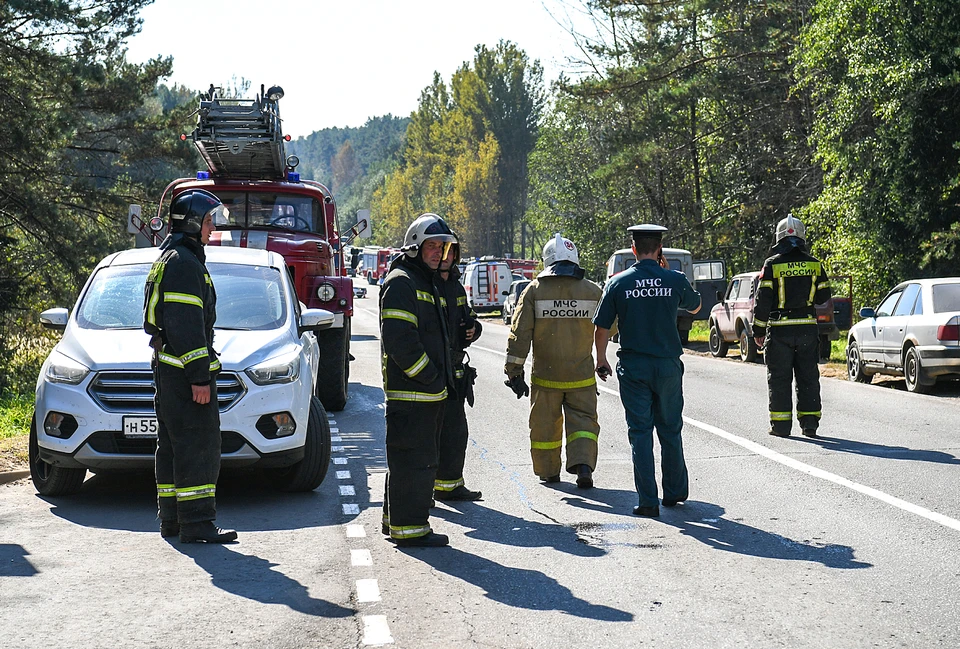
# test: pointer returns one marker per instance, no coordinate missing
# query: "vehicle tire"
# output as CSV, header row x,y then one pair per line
x,y
51,480
308,473
748,347
333,374
826,348
370,280
855,369
506,317
913,372
718,346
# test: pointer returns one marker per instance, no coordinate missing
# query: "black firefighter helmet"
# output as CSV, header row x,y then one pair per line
x,y
189,208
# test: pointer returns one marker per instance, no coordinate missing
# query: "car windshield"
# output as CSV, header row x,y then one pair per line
x,y
248,297
292,211
946,298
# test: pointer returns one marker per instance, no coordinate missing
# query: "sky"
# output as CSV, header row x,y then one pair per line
x,y
342,62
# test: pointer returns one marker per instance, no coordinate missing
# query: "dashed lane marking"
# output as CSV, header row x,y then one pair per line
x,y
343,475
361,557
802,467
355,531
368,590
347,490
375,630
350,509
339,460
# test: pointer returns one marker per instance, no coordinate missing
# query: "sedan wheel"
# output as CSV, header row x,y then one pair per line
x,y
913,372
855,365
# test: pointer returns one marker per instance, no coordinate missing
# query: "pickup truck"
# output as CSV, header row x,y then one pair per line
x,y
731,320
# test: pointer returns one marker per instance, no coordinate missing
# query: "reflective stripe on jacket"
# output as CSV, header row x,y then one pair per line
x,y
791,283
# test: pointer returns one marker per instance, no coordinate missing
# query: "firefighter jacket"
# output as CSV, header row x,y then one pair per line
x,y
555,315
180,308
460,316
791,283
413,335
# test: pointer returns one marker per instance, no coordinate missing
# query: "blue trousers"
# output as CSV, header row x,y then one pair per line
x,y
651,389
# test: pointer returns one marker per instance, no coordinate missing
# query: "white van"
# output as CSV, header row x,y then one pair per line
x,y
487,284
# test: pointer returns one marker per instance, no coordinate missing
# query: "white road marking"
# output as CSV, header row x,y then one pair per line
x,y
347,490
375,630
770,454
339,460
343,475
368,590
351,509
337,449
360,558
336,438
355,531
334,431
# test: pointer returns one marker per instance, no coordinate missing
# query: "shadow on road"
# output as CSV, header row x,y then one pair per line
x,y
702,521
255,579
14,562
517,587
880,450
245,502
497,527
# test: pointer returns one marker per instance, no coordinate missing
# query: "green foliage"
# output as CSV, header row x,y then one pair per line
x,y
83,133
16,410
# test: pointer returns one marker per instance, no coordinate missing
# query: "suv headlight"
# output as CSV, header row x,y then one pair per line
x,y
283,369
63,369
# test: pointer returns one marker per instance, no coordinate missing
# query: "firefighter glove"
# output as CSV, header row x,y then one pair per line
x,y
518,385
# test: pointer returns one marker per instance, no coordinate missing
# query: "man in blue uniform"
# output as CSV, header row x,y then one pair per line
x,y
644,300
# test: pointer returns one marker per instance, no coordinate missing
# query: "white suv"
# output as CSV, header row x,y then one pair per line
x,y
94,399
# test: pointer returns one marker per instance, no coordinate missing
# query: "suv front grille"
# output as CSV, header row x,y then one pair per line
x,y
114,443
133,392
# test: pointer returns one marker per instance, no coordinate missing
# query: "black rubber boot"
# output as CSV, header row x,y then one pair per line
x,y
460,493
205,532
584,476
431,540
169,528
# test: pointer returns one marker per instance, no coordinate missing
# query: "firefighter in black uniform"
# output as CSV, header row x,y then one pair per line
x,y
785,325
180,307
464,328
417,373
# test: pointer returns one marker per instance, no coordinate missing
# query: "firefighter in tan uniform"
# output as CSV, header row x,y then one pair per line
x,y
554,314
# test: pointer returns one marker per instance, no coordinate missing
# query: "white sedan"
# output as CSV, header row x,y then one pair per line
x,y
914,333
94,399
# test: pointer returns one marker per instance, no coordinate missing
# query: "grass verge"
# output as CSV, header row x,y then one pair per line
x,y
15,413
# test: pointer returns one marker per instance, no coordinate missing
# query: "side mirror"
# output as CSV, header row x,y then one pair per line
x,y
867,312
55,319
316,320
505,293
719,296
362,229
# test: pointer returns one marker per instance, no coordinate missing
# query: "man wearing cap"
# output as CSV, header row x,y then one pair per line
x,y
553,315
785,325
417,374
644,300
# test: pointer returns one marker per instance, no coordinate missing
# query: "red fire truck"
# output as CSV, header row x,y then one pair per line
x,y
376,262
272,208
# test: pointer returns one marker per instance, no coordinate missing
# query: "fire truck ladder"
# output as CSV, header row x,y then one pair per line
x,y
241,138
483,282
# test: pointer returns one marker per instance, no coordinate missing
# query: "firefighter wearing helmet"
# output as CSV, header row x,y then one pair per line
x,y
554,316
785,324
417,377
180,308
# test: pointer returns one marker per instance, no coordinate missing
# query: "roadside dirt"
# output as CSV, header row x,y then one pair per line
x,y
13,453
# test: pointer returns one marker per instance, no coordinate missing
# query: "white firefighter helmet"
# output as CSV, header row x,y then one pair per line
x,y
426,226
791,227
559,249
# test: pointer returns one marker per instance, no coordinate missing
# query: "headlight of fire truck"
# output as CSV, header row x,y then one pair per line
x,y
326,292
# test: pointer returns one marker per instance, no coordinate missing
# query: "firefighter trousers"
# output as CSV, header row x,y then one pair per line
x,y
651,389
452,447
792,356
188,448
413,430
552,411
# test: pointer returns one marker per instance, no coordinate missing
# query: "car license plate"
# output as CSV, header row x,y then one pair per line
x,y
140,426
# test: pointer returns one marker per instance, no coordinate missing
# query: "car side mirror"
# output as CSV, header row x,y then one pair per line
x,y
55,319
867,312
719,296
316,320
505,293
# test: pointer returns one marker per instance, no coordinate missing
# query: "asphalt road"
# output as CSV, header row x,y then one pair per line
x,y
850,540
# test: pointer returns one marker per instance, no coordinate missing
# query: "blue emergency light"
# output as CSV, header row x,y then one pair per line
x,y
293,177
203,175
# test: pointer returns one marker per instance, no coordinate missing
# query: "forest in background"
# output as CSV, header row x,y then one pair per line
x,y
715,118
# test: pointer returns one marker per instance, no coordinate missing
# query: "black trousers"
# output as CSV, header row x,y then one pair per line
x,y
413,431
792,356
453,445
188,448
